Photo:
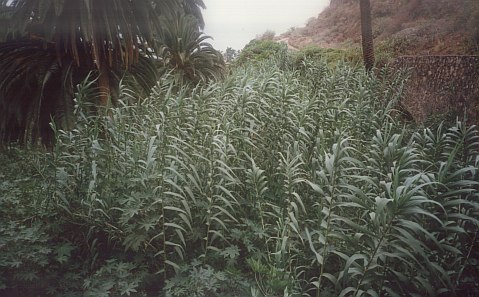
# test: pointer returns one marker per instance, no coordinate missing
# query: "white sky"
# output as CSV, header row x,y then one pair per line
x,y
233,23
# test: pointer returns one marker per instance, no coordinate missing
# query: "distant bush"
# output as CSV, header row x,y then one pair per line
x,y
315,53
260,50
267,35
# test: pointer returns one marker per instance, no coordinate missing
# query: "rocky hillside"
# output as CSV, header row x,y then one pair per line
x,y
400,27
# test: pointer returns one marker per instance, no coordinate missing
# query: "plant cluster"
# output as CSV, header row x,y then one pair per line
x,y
314,53
275,181
260,50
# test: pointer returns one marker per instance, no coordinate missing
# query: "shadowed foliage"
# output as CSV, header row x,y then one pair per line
x,y
66,40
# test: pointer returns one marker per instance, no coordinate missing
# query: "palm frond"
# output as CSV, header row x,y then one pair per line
x,y
32,87
184,49
37,87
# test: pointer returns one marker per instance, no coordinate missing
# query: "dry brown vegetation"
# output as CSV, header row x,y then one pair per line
x,y
405,27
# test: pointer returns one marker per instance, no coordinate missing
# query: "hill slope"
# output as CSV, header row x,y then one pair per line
x,y
403,27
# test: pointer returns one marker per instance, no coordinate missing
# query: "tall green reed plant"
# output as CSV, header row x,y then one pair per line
x,y
300,180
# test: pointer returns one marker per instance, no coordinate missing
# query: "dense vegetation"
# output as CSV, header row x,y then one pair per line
x,y
287,178
48,47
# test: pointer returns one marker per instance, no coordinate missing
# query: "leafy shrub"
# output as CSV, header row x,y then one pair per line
x,y
314,53
114,279
33,263
203,280
262,50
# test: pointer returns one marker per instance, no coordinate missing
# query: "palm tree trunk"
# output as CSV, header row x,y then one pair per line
x,y
367,34
104,85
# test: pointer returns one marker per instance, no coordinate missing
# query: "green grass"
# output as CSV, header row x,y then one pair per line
x,y
273,182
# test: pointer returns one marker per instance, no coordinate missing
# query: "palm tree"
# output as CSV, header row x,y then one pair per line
x,y
185,51
48,42
366,34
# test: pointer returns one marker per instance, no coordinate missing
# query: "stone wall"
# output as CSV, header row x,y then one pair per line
x,y
441,85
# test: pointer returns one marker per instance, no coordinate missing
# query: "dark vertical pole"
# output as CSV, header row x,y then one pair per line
x,y
367,34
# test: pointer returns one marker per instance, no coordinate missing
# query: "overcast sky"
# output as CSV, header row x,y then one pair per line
x,y
233,23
